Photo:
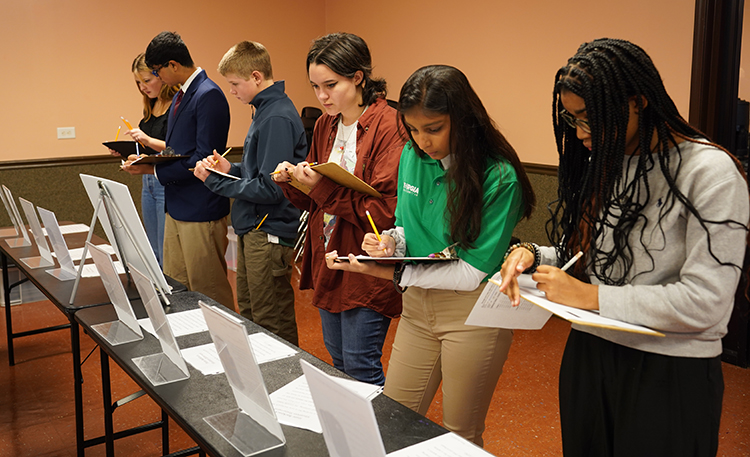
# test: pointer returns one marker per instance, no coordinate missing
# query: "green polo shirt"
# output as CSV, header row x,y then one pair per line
x,y
421,210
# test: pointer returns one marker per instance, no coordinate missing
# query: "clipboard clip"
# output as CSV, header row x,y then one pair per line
x,y
447,253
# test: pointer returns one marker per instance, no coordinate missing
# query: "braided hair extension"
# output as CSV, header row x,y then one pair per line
x,y
475,141
593,194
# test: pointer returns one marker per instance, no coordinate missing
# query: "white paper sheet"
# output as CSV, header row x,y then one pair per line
x,y
265,349
493,309
221,173
182,323
446,445
294,405
89,270
70,228
77,253
530,295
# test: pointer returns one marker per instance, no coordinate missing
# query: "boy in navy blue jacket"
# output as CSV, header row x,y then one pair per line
x,y
264,220
195,228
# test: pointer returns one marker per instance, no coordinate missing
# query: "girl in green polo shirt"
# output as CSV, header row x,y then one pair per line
x,y
462,184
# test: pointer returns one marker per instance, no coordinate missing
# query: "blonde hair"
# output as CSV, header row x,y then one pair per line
x,y
166,93
244,58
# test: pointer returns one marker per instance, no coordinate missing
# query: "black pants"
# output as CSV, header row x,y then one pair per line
x,y
622,402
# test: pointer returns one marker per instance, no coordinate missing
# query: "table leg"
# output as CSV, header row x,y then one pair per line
x,y
75,344
8,316
109,430
164,432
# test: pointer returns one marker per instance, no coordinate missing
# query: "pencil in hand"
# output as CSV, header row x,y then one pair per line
x,y
375,229
225,153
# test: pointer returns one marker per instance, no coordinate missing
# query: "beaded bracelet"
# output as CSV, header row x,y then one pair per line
x,y
531,247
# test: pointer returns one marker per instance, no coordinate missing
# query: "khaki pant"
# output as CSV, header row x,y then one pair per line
x,y
194,255
264,289
433,344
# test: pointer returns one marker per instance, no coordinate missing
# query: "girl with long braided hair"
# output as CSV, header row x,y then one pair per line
x,y
660,214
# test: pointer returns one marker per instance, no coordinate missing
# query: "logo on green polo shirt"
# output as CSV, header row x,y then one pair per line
x,y
409,189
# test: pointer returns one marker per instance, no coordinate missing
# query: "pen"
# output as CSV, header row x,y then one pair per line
x,y
572,261
375,229
261,222
118,133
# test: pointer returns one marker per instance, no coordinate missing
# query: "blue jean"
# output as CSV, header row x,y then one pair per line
x,y
354,339
152,206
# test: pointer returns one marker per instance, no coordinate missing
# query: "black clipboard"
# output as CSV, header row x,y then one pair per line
x,y
128,148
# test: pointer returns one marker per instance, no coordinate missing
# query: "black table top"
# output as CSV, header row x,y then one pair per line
x,y
189,401
90,291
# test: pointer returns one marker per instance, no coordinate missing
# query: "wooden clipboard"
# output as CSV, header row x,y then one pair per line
x,y
339,175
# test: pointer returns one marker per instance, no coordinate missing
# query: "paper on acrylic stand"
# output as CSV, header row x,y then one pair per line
x,y
253,427
113,331
45,258
348,420
67,270
167,366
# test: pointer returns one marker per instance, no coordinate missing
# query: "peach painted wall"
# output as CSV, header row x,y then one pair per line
x,y
64,68
510,50
67,63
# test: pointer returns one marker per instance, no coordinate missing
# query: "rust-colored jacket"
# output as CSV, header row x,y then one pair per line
x,y
379,146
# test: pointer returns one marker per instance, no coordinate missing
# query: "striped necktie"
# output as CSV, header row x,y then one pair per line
x,y
177,102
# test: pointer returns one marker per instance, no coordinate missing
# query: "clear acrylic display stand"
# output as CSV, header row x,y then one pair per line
x,y
348,420
126,328
8,231
124,230
23,240
167,366
44,259
252,428
67,270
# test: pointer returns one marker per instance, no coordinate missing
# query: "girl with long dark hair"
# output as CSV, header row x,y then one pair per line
x,y
660,214
461,184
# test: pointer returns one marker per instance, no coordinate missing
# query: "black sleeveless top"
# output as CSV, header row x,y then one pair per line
x,y
155,127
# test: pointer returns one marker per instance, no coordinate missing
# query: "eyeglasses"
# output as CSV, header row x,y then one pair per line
x,y
575,122
156,71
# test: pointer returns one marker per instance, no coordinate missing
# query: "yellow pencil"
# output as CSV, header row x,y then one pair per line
x,y
130,127
225,153
279,171
118,133
261,222
375,229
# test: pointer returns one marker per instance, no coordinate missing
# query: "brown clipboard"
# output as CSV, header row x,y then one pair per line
x,y
339,175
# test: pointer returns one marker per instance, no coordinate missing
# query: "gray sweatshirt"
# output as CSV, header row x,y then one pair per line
x,y
686,294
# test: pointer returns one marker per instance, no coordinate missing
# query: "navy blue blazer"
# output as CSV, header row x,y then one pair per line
x,y
200,125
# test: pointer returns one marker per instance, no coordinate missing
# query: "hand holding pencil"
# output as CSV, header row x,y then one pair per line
x,y
215,161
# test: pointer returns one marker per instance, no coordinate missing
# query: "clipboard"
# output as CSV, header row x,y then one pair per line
x,y
339,175
531,294
221,173
147,159
126,148
365,258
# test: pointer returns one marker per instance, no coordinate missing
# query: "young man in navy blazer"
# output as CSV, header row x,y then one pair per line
x,y
195,230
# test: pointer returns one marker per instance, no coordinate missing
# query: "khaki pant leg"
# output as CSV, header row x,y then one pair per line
x,y
174,263
267,275
203,247
472,358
